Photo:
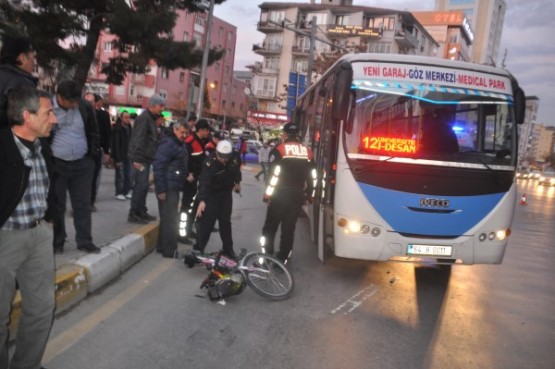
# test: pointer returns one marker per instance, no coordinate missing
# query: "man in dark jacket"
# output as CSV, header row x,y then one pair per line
x,y
221,174
75,144
104,130
27,203
121,134
170,170
142,147
17,60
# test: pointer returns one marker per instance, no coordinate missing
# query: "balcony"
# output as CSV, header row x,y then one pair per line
x,y
300,51
267,27
267,49
265,94
406,39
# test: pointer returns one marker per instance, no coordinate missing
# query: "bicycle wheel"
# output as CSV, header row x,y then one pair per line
x,y
267,276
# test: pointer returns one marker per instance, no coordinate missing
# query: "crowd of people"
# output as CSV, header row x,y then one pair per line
x,y
55,146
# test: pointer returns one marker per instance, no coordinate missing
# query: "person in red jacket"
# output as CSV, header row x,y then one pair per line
x,y
196,143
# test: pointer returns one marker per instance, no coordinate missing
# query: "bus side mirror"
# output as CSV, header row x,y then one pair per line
x,y
342,92
520,105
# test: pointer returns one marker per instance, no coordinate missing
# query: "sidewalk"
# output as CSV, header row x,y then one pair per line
x,y
123,244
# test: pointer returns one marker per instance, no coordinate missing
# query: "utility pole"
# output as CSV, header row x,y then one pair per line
x,y
202,84
311,52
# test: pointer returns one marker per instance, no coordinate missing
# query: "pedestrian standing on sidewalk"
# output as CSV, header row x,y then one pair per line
x,y
220,176
104,129
170,170
17,60
142,147
27,199
75,145
264,160
121,134
291,184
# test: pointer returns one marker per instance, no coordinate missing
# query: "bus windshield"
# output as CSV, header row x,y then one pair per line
x,y
431,123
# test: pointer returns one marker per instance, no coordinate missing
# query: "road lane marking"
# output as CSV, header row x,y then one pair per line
x,y
71,335
356,300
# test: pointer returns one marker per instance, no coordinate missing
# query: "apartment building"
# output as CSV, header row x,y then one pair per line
x,y
180,87
486,18
286,46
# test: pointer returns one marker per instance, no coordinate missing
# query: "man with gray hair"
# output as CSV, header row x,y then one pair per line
x,y
142,147
27,205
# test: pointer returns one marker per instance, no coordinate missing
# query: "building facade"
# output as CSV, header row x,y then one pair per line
x,y
224,96
486,18
339,25
451,30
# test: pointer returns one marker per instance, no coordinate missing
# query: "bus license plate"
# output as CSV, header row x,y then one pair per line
x,y
435,250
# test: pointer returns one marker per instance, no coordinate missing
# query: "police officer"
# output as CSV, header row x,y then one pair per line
x,y
221,174
196,143
291,184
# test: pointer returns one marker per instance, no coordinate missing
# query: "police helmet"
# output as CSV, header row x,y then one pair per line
x,y
291,128
224,149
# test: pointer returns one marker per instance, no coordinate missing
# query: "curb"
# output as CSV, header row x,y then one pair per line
x,y
74,282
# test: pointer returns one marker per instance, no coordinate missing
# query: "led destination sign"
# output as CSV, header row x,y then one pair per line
x,y
389,144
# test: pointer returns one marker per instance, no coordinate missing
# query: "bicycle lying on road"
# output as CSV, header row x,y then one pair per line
x,y
265,274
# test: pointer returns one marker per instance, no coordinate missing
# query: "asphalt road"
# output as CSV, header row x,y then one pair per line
x,y
343,314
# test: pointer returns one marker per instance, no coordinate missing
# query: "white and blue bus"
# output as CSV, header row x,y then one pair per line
x,y
415,156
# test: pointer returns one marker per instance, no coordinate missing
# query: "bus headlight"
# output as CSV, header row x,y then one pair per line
x,y
500,235
355,226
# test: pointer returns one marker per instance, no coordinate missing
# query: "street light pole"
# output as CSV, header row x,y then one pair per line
x,y
202,84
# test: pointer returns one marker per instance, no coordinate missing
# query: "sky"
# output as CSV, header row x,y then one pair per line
x,y
529,26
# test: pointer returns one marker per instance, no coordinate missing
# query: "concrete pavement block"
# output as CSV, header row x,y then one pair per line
x,y
131,249
150,233
101,268
71,286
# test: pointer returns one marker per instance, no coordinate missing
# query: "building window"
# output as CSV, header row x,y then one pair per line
x,y
277,16
186,36
131,90
265,86
380,47
165,73
342,20
181,76
227,69
180,96
223,103
233,105
108,46
119,90
229,36
163,94
197,38
221,31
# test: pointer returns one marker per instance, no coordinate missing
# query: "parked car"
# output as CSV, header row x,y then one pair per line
x,y
253,146
547,179
535,175
523,174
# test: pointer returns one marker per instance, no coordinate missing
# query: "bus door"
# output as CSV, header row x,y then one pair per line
x,y
325,152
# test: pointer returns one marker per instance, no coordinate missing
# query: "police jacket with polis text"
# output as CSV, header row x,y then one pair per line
x,y
217,177
195,148
295,167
